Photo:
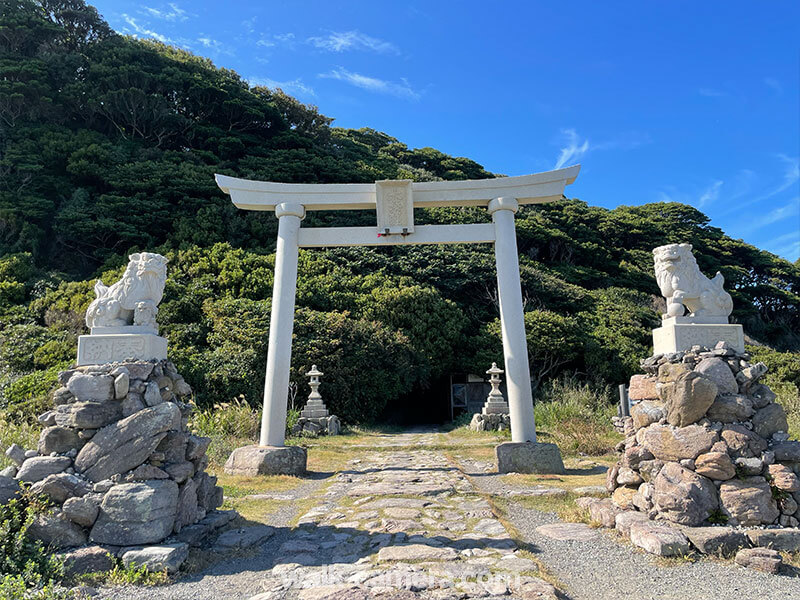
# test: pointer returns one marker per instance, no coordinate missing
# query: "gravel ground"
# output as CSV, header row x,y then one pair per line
x,y
606,569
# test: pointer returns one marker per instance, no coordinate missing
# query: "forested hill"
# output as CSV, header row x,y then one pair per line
x,y
109,144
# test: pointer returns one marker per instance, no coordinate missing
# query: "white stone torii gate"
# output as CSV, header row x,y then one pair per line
x,y
394,202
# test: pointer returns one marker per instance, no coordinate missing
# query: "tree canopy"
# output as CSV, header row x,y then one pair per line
x,y
109,144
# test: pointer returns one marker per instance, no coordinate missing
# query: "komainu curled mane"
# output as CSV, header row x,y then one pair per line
x,y
133,300
685,287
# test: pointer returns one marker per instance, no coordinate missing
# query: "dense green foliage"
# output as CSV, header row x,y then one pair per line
x,y
109,145
27,569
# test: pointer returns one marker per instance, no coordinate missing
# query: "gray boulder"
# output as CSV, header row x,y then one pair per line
x,y
682,496
669,443
137,513
770,419
688,398
187,505
16,453
61,486
788,451
58,439
88,415
94,388
56,531
168,557
742,442
82,511
9,488
37,468
718,371
197,447
91,559
717,541
126,444
748,501
730,409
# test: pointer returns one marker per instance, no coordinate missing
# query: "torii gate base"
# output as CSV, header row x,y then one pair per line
x,y
394,202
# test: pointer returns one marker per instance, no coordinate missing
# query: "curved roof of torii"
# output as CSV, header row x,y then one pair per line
x,y
248,194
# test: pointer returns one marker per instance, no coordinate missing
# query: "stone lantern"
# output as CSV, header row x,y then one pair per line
x,y
495,403
315,407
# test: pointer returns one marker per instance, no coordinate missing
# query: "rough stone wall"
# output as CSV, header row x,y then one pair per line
x,y
496,422
707,444
116,458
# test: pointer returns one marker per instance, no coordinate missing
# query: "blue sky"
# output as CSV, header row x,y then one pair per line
x,y
695,102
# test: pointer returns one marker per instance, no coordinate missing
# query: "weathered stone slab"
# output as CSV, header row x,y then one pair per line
x,y
56,531
748,501
529,457
661,540
61,486
137,513
604,512
731,408
245,537
579,532
267,460
91,559
646,413
126,444
624,520
784,540
415,552
715,465
88,415
688,398
58,439
93,388
37,468
717,541
770,419
718,371
683,496
167,557
760,559
670,443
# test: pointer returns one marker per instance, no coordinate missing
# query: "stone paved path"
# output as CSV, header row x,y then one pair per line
x,y
403,521
397,523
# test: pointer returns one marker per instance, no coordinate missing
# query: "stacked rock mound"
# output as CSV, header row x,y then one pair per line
x,y
329,425
495,422
117,459
707,444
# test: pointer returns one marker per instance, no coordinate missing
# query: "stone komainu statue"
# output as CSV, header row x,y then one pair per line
x,y
133,300
685,287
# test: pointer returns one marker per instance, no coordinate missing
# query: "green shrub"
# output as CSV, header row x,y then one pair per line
x,y
24,561
34,386
229,425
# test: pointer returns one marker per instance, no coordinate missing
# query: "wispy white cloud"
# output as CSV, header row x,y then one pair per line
x,y
711,92
787,245
573,149
249,25
380,86
280,39
295,86
139,30
209,43
710,194
340,41
172,13
774,84
574,146
790,210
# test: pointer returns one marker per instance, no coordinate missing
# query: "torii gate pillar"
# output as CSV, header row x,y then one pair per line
x,y
395,204
512,320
